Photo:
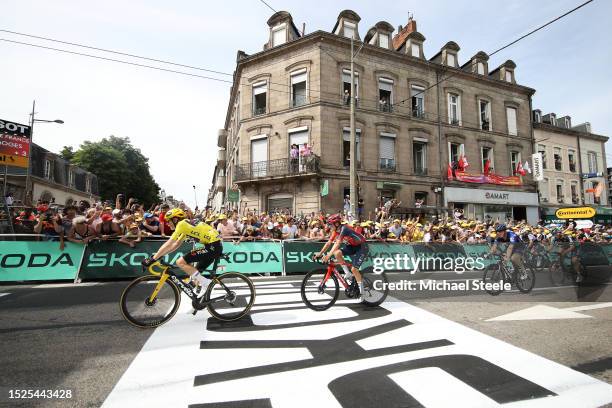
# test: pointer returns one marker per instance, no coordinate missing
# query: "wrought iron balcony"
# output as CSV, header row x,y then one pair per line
x,y
277,168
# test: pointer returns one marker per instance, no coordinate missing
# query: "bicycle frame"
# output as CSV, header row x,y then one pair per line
x,y
331,269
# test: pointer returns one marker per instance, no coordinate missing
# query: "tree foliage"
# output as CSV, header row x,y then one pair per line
x,y
67,153
120,167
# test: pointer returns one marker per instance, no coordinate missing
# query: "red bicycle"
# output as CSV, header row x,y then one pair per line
x,y
321,287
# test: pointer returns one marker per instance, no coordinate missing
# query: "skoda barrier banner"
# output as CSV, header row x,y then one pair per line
x,y
252,257
112,259
24,261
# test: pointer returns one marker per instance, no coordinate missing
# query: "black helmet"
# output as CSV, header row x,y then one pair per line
x,y
500,228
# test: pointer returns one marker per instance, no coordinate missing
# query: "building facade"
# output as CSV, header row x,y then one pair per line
x,y
574,162
53,179
414,117
610,186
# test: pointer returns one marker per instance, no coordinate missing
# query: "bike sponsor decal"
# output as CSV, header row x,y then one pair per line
x,y
286,355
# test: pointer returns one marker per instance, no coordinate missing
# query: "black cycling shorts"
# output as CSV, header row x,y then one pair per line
x,y
357,253
204,256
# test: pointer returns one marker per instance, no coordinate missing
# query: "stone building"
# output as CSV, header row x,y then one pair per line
x,y
414,116
574,161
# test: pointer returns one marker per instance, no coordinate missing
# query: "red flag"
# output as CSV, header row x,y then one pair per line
x,y
449,172
487,167
465,164
520,170
460,163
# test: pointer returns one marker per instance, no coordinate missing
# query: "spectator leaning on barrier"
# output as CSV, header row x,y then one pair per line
x,y
49,223
226,227
163,225
150,224
289,231
132,236
81,232
107,228
24,223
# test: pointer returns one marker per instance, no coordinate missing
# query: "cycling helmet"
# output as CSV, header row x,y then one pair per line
x,y
176,213
500,228
332,219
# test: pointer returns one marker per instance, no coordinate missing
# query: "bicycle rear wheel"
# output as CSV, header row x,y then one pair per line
x,y
231,296
375,287
493,274
525,282
139,311
317,295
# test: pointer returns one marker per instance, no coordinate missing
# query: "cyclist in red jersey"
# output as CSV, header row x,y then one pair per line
x,y
346,242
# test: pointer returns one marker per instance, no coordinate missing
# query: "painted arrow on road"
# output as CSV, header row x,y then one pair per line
x,y
543,312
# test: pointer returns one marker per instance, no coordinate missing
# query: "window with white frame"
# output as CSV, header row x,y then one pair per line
x,y
47,173
387,151
557,158
346,146
419,157
259,156
480,68
455,151
596,200
70,178
486,153
451,59
511,118
279,35
592,162
349,29
574,192
571,157
484,107
515,159
346,86
542,151
417,94
383,40
508,76
454,109
385,94
415,50
559,190
88,184
544,190
298,87
260,91
538,117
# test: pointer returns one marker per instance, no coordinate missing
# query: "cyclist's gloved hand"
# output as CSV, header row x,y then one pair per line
x,y
148,262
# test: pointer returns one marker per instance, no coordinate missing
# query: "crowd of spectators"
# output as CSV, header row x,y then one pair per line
x,y
131,222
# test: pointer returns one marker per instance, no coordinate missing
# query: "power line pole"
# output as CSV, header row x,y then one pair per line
x,y
353,142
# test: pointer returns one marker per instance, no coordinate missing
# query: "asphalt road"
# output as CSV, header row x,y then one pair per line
x,y
73,337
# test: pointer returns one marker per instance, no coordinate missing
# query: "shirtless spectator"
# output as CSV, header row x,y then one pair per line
x,y
81,232
107,228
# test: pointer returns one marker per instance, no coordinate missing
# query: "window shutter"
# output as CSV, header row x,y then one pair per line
x,y
298,138
259,89
279,36
385,84
259,150
480,68
416,52
387,147
300,77
511,116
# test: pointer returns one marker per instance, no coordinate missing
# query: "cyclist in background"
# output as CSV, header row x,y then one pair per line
x,y
199,231
345,241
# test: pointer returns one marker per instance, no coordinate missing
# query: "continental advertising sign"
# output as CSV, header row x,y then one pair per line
x,y
14,144
27,261
575,212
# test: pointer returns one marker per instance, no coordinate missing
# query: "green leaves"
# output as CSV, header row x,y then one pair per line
x,y
120,167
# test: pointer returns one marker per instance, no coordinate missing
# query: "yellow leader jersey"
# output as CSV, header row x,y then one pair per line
x,y
202,232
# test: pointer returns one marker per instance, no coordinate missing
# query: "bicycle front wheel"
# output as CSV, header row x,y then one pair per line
x,y
319,295
493,275
375,287
230,296
139,310
525,280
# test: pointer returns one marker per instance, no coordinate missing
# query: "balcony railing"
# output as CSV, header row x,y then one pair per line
x,y
387,164
259,110
418,113
277,168
385,107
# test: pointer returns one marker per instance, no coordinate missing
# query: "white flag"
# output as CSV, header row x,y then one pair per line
x,y
526,166
538,168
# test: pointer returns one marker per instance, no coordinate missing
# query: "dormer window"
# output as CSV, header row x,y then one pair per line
x,y
349,29
415,50
88,184
538,117
383,40
71,178
508,76
480,68
47,171
451,60
279,35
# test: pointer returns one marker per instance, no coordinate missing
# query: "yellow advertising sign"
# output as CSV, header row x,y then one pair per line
x,y
575,212
12,160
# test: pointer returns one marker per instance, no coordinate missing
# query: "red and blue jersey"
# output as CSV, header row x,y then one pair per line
x,y
348,235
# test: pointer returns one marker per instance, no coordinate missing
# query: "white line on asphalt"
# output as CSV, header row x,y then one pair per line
x,y
589,307
65,285
4,294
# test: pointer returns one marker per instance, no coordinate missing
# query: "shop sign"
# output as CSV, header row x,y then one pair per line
x,y
575,212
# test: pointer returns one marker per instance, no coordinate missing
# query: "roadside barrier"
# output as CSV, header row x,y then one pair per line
x,y
44,261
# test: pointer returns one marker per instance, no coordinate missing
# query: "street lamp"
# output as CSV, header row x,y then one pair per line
x,y
196,196
28,187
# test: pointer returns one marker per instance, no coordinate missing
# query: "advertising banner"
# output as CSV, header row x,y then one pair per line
x,y
39,260
575,212
112,259
252,257
14,144
487,179
538,166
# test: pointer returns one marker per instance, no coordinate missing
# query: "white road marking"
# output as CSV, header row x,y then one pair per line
x,y
544,312
158,377
4,294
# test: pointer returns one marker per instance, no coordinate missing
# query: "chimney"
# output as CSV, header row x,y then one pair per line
x,y
400,38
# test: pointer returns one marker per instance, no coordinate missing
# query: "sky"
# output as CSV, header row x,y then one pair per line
x,y
174,118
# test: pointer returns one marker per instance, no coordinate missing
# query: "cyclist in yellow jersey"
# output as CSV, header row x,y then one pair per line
x,y
202,232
